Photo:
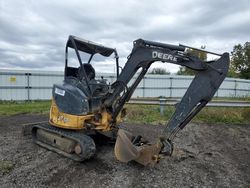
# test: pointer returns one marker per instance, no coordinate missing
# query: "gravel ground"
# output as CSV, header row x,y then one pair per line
x,y
204,156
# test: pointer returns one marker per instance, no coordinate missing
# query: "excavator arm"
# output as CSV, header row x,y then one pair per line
x,y
210,75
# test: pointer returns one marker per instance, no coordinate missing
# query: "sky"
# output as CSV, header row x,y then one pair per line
x,y
33,33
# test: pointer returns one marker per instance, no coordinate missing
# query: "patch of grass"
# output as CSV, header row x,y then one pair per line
x,y
6,166
12,108
228,115
147,114
150,114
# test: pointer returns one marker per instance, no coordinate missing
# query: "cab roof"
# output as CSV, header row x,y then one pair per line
x,y
88,46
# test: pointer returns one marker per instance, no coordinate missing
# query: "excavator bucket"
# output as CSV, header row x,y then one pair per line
x,y
130,148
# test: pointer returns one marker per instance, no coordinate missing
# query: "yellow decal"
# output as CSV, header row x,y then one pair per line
x,y
12,79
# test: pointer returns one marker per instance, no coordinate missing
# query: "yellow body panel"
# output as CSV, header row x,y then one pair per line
x,y
76,122
67,121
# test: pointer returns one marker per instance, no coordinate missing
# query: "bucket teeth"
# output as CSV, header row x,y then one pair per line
x,y
126,150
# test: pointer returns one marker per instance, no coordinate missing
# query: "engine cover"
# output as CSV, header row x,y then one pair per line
x,y
70,99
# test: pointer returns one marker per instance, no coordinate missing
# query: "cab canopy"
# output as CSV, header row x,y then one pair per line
x,y
88,46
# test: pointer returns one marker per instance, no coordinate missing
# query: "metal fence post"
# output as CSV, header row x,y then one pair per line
x,y
170,88
235,88
162,102
28,85
143,87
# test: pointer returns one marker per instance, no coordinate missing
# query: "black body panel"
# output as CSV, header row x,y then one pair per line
x,y
70,99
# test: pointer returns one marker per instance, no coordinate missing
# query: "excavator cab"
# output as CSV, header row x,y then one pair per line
x,y
81,92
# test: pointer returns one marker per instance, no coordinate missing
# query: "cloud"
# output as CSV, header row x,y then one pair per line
x,y
33,33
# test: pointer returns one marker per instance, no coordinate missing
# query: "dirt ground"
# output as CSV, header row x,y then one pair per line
x,y
204,156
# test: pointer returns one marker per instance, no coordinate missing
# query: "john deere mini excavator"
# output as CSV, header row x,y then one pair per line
x,y
83,106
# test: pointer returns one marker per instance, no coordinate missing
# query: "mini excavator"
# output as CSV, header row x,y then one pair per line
x,y
83,106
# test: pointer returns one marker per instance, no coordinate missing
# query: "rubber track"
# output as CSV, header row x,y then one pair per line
x,y
86,142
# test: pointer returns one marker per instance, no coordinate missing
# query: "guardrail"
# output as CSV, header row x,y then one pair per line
x,y
162,102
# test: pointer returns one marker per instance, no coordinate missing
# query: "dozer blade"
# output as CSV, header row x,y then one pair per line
x,y
126,150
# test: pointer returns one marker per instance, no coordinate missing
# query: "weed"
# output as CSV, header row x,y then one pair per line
x,y
6,166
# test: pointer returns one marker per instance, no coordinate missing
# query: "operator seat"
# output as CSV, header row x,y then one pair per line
x,y
97,87
90,71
